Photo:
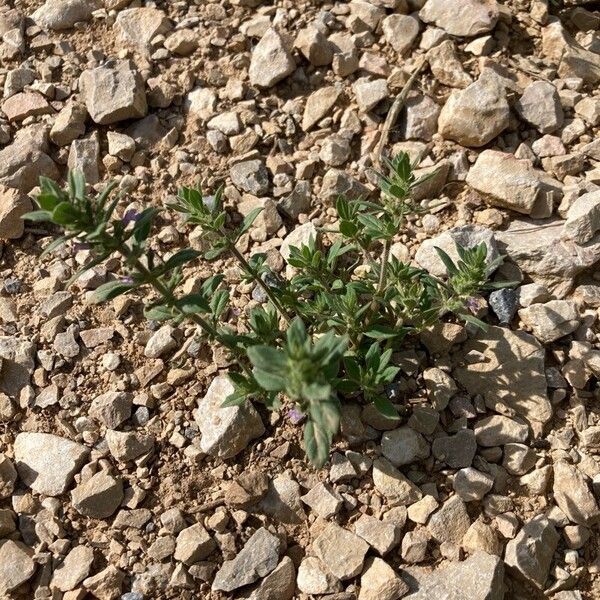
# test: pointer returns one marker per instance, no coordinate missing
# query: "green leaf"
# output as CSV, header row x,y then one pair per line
x,y
249,219
267,358
180,258
158,313
38,216
214,253
448,262
386,408
322,424
383,332
110,290
65,214
193,303
474,321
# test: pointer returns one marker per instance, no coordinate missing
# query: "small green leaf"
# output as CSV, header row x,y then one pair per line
x,y
448,262
386,408
110,290
180,258
383,332
158,313
193,303
38,216
249,219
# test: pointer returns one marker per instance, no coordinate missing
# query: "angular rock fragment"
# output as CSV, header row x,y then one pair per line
x,y
63,14
258,558
271,60
511,372
226,431
466,18
529,555
552,320
476,115
573,495
113,93
47,463
99,496
512,183
480,577
341,551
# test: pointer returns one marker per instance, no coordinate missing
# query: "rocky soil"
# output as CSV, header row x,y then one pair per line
x,y
121,477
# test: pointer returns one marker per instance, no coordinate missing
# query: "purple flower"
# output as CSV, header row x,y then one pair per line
x,y
475,304
127,279
131,216
295,415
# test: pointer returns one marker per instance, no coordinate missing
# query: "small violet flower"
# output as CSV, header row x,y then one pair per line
x,y
127,279
295,415
131,216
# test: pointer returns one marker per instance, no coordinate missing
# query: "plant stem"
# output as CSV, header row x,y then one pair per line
x,y
385,256
246,266
211,331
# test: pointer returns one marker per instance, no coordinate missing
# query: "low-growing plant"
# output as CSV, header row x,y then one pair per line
x,y
326,334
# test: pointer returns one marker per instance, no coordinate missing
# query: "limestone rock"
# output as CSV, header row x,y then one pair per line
x,y
341,550
315,46
318,104
447,67
250,176
383,536
421,118
16,565
193,544
397,489
480,577
583,218
25,104
226,431
512,183
13,205
25,160
99,496
401,31
324,500
47,463
497,430
74,569
8,476
63,14
69,124
315,578
282,501
380,582
369,93
280,584
113,93
511,372
137,27
552,320
450,522
476,115
128,445
457,450
540,106
529,555
573,495
538,249
471,484
271,60
404,446
258,558
465,18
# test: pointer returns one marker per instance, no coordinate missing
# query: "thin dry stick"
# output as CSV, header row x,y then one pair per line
x,y
394,111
